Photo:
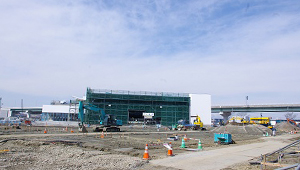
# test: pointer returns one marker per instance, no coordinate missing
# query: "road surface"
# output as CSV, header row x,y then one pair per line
x,y
224,157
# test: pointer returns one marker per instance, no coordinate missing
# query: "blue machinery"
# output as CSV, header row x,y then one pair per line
x,y
222,138
108,122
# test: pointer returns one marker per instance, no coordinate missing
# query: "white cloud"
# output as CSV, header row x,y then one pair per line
x,y
58,48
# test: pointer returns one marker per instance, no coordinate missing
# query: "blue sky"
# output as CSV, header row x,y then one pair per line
x,y
54,49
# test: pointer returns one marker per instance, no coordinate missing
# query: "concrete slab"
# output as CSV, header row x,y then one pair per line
x,y
224,157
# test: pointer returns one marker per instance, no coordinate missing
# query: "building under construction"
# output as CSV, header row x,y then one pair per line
x,y
134,107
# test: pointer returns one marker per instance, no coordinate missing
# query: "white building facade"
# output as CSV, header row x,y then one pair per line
x,y
200,105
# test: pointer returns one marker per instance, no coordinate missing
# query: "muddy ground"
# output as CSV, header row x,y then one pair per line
x,y
59,148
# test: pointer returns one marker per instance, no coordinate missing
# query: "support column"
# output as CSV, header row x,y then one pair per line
x,y
225,115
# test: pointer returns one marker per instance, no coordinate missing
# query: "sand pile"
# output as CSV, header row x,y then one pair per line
x,y
286,127
244,129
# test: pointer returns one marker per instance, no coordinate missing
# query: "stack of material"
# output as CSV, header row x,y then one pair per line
x,y
286,127
246,129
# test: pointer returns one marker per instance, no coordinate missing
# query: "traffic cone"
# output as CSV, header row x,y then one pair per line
x,y
45,131
182,144
185,138
199,145
72,130
170,150
146,154
102,135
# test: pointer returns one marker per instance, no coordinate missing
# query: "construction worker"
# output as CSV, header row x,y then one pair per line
x,y
274,131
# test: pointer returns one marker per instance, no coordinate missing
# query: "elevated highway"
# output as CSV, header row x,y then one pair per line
x,y
226,111
257,108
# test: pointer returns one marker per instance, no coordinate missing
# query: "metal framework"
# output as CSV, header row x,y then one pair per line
x,y
168,108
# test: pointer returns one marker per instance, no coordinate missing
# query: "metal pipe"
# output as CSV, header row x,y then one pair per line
x,y
289,167
286,147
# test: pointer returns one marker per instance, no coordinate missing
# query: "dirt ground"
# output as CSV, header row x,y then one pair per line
x,y
59,148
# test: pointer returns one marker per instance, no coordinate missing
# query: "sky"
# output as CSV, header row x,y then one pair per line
x,y
55,49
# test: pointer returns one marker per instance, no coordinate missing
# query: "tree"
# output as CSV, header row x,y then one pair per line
x,y
290,115
242,114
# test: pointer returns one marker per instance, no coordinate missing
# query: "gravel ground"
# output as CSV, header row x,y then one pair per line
x,y
40,155
122,150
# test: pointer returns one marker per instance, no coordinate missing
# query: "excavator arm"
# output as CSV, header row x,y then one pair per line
x,y
106,120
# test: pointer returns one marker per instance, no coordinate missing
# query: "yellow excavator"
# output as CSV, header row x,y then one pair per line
x,y
198,123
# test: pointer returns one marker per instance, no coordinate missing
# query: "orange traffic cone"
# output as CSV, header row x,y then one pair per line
x,y
146,154
185,138
72,130
170,150
45,131
102,135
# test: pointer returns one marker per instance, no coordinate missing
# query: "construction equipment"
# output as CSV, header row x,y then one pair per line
x,y
185,125
237,119
222,138
198,123
108,122
265,121
292,121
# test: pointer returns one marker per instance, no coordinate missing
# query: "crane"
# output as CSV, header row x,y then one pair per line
x,y
108,122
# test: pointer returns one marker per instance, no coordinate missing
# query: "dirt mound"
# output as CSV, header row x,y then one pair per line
x,y
244,129
286,127
56,156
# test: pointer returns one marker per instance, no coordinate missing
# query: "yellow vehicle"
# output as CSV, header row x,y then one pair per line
x,y
261,121
237,119
265,121
198,123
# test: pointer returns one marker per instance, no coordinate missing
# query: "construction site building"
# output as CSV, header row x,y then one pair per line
x,y
150,107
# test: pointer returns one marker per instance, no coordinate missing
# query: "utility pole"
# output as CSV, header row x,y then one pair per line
x,y
0,104
21,108
22,104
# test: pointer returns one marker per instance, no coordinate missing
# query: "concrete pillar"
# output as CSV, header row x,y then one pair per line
x,y
225,116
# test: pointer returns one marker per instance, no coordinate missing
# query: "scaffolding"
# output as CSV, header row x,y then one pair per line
x,y
168,108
